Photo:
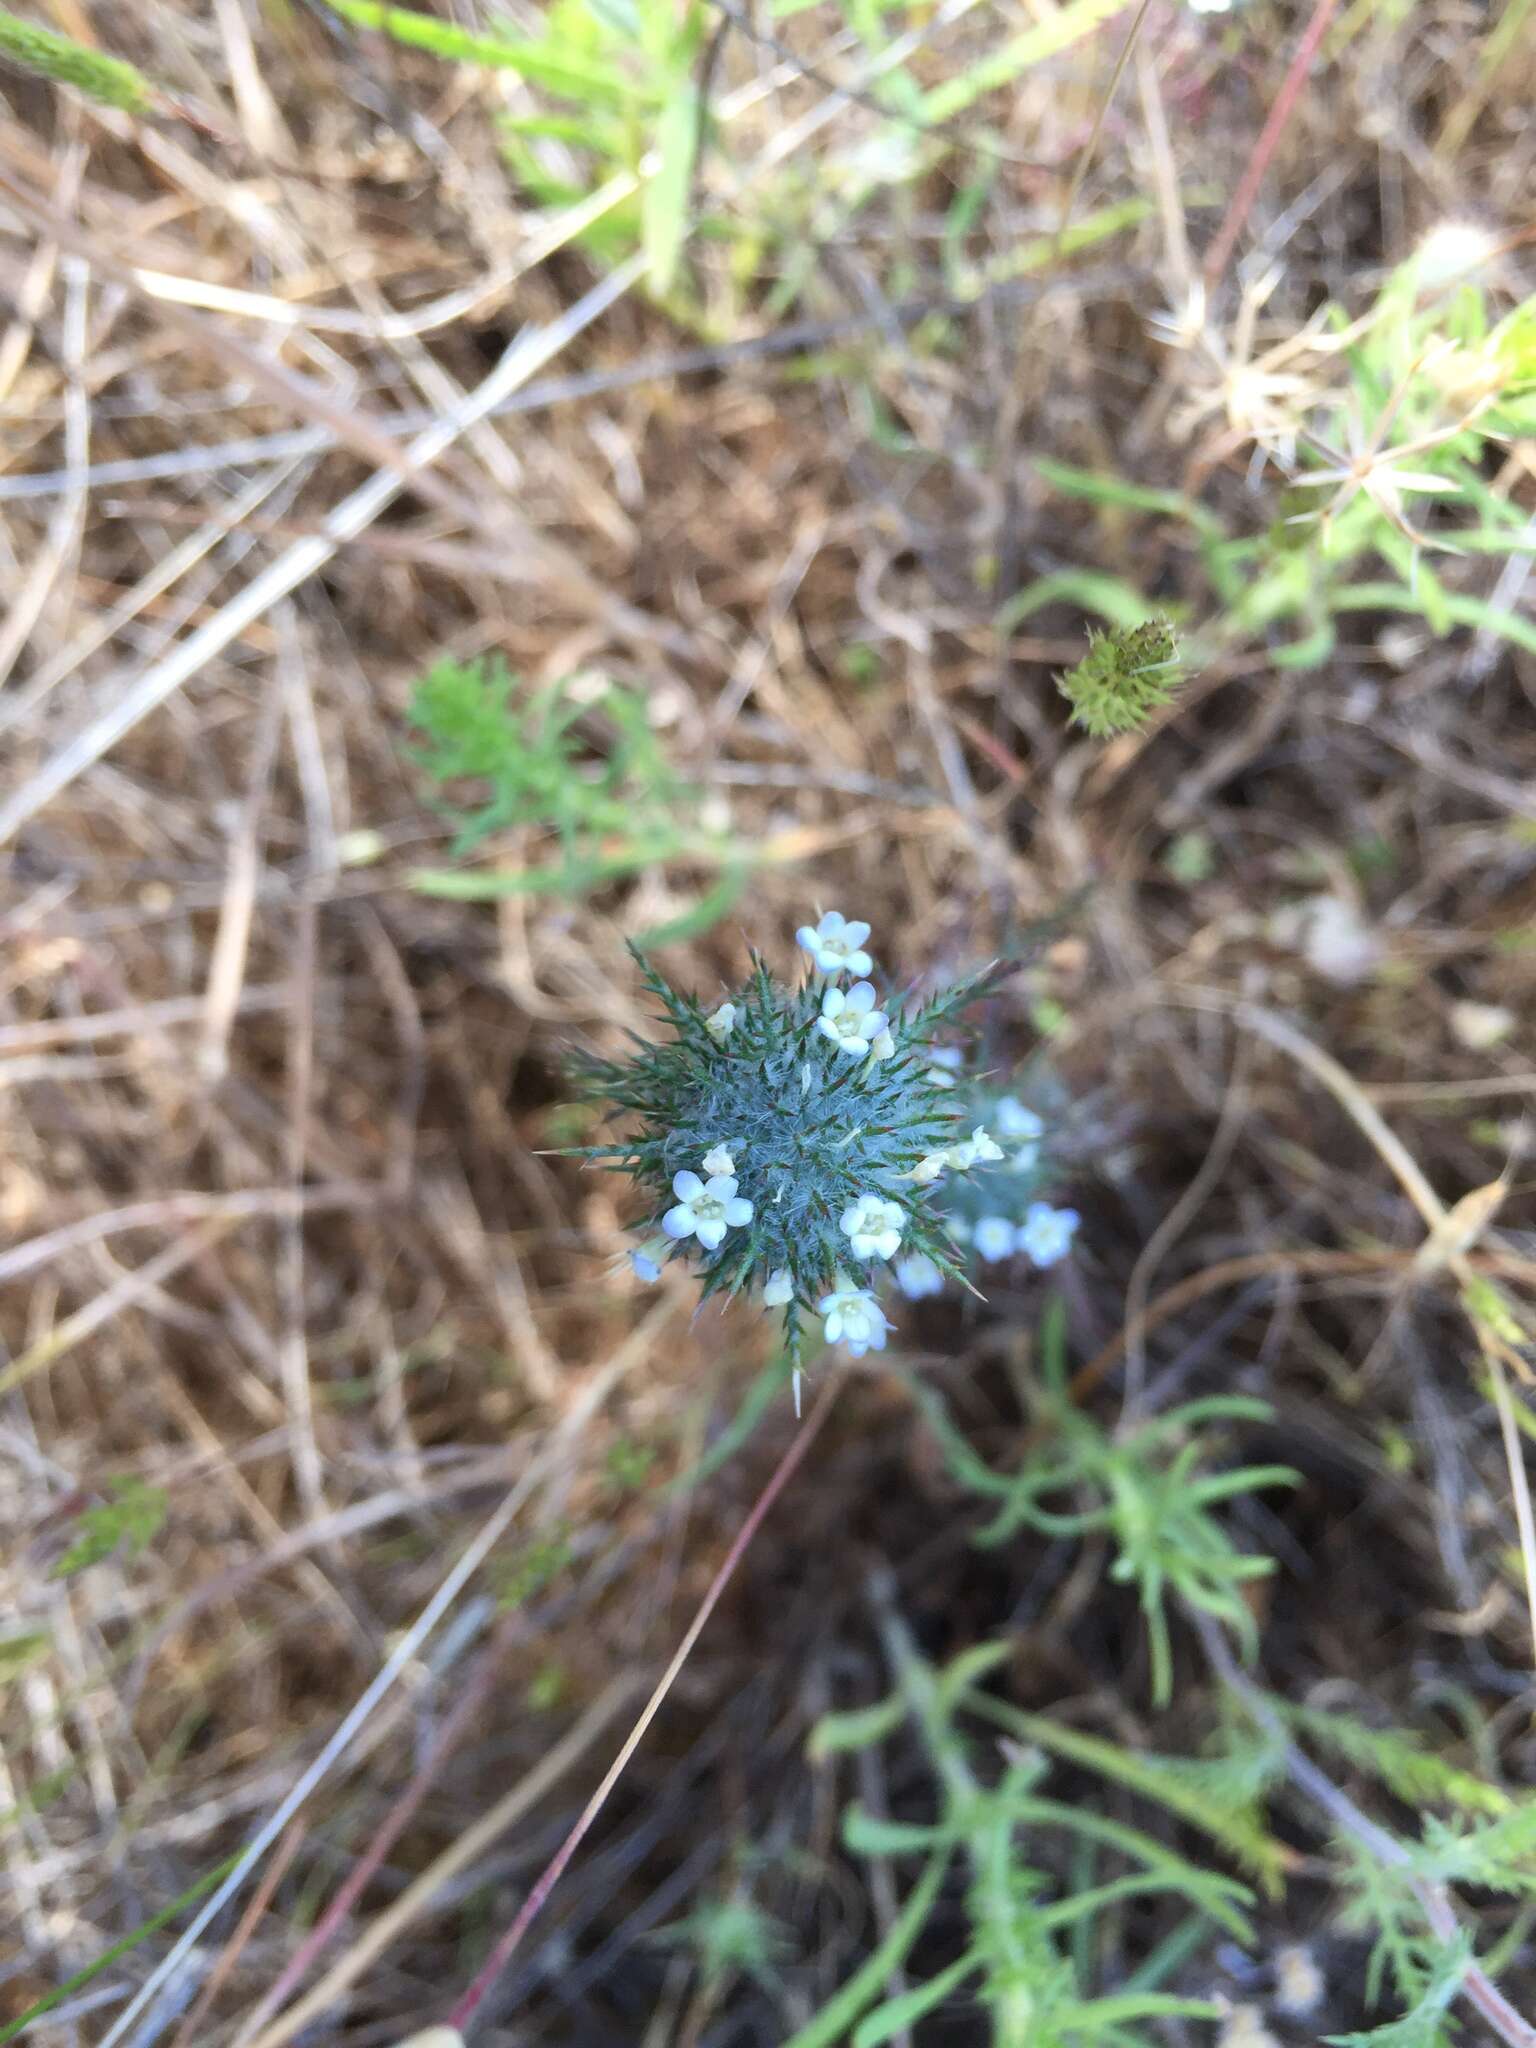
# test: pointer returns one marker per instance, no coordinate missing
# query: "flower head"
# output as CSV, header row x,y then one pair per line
x,y
853,1317
721,1023
943,1064
718,1160
874,1227
778,1288
929,1168
993,1237
917,1275
706,1209
849,1018
1046,1234
883,1047
836,944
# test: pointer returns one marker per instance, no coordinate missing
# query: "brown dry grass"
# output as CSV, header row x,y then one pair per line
x,y
280,1237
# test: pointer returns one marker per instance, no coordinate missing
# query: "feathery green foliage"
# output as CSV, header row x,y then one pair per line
x,y
1148,1490
619,75
578,768
125,1523
1021,1957
46,54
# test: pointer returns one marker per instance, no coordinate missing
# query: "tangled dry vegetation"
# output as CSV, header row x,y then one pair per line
x,y
297,1300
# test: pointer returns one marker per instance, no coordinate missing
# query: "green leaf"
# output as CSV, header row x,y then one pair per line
x,y
126,1521
899,2013
558,68
871,1834
1057,32
1140,2005
1154,1777
664,205
1397,1758
858,1728
831,2024
64,62
1090,589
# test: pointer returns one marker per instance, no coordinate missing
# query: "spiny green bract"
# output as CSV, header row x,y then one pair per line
x,y
809,1130
1124,676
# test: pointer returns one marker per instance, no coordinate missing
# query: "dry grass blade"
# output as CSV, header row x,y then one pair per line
x,y
135,695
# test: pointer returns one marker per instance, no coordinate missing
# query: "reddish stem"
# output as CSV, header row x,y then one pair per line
x,y
502,1953
449,1735
1279,114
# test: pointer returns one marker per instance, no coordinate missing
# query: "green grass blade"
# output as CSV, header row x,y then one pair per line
x,y
109,1956
1058,32
65,62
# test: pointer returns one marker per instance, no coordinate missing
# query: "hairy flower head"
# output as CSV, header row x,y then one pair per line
x,y
830,1100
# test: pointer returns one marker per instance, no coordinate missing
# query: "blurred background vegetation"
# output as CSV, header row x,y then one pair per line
x,y
484,485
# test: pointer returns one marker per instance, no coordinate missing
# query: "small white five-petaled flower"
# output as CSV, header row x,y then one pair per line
x,y
1014,1120
718,1160
873,1225
850,1019
976,1150
778,1288
917,1276
1046,1234
836,944
722,1023
706,1209
854,1317
993,1237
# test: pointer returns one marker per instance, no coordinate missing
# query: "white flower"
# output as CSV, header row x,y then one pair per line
x,y
709,1208
1046,1234
976,1150
850,1019
917,1275
883,1047
646,1269
1015,1121
836,944
874,1227
928,1168
778,1288
853,1316
719,1159
942,1066
993,1237
722,1023
958,1229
